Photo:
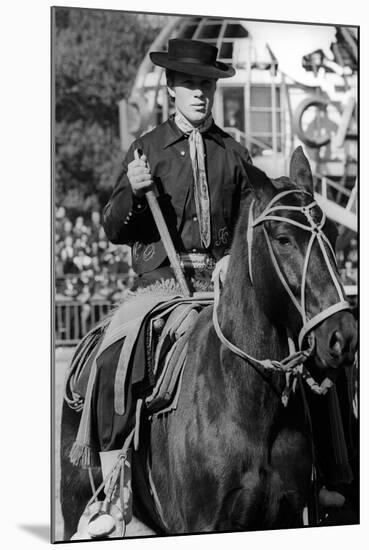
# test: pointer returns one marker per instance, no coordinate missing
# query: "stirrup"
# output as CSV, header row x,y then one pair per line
x,y
96,523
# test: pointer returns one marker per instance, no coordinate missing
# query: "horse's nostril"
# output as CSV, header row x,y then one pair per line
x,y
336,344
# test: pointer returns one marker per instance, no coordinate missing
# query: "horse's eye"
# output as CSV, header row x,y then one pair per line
x,y
284,241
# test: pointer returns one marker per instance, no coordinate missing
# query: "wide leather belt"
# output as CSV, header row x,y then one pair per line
x,y
197,260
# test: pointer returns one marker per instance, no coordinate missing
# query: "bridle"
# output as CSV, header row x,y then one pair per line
x,y
316,230
292,364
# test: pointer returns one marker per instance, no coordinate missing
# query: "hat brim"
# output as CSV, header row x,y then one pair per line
x,y
218,70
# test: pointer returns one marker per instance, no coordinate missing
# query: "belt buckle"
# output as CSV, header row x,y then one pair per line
x,y
197,260
209,263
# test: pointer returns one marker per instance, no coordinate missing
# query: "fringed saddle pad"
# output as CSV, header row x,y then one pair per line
x,y
79,370
124,321
144,361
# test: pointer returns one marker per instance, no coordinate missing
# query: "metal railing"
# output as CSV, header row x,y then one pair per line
x,y
338,202
241,137
74,319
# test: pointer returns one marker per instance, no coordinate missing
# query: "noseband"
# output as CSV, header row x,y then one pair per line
x,y
293,364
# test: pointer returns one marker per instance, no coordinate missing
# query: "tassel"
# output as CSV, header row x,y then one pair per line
x,y
81,450
80,455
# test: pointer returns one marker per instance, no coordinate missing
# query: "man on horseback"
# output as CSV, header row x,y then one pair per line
x,y
198,171
199,175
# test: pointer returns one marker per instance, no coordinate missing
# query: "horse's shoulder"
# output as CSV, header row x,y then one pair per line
x,y
202,329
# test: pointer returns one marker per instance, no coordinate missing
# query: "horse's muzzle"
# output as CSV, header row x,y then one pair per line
x,y
336,341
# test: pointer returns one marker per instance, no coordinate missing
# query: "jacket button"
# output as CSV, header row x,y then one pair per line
x,y
183,153
194,218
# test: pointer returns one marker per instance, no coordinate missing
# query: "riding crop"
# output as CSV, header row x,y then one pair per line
x,y
166,239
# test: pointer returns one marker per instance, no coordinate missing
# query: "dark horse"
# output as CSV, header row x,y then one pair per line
x,y
232,456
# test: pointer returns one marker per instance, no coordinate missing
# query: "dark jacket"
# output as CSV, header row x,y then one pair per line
x,y
129,221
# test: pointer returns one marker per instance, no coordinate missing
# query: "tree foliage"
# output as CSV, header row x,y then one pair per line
x,y
96,55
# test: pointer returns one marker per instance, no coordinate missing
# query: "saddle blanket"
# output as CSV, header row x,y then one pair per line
x,y
114,327
152,332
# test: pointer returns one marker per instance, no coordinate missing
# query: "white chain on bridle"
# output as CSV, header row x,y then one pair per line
x,y
294,362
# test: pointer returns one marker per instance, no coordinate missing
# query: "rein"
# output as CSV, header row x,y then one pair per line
x,y
293,365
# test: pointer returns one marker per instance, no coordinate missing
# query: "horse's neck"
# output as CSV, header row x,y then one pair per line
x,y
245,324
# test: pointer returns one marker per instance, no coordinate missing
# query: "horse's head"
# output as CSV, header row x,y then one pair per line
x,y
292,266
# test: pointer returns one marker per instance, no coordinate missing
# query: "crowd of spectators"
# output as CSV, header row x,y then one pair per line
x,y
347,259
88,267
94,273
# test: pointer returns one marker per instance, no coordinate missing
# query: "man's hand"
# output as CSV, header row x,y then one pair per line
x,y
220,269
139,174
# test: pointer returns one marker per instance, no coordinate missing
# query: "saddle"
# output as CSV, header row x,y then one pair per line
x,y
154,333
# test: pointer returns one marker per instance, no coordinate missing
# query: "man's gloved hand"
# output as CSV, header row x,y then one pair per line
x,y
139,175
221,269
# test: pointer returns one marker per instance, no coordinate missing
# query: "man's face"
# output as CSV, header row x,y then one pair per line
x,y
194,96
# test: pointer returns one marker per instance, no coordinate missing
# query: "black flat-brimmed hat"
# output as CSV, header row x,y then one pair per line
x,y
192,57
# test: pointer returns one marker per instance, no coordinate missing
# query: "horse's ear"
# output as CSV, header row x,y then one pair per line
x,y
259,182
300,171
